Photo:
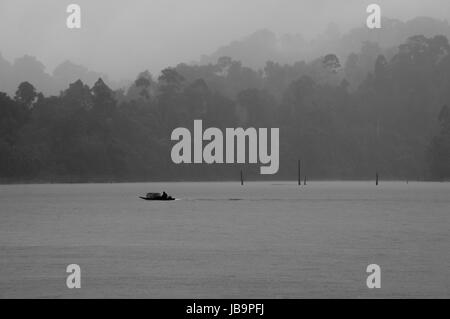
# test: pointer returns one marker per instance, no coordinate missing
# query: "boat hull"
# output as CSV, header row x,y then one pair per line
x,y
157,199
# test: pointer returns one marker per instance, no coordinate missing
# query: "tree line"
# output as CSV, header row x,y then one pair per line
x,y
376,112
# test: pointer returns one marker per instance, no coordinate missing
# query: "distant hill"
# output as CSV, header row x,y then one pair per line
x,y
252,51
264,45
29,68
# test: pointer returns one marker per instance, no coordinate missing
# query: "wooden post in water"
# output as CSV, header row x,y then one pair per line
x,y
242,178
299,176
304,181
376,178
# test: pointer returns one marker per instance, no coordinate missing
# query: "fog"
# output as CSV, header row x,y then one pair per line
x,y
122,38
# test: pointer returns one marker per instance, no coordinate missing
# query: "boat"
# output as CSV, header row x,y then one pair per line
x,y
157,196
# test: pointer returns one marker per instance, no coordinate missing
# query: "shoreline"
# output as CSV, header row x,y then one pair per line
x,y
65,182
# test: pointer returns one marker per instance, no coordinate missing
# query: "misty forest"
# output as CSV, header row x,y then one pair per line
x,y
346,115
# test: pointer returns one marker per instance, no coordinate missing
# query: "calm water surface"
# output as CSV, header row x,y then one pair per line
x,y
263,240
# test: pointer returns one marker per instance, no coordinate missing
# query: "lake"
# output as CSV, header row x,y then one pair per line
x,y
222,240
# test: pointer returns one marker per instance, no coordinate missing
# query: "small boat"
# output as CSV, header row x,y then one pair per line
x,y
157,196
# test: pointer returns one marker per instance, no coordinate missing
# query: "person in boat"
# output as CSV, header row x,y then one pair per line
x,y
164,196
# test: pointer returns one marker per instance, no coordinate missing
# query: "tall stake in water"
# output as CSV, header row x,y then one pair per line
x,y
242,178
376,178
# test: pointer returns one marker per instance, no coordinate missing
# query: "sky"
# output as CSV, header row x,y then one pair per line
x,y
123,37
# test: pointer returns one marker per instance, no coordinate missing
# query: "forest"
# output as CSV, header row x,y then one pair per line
x,y
372,112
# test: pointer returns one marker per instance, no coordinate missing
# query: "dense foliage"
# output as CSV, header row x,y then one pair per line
x,y
373,113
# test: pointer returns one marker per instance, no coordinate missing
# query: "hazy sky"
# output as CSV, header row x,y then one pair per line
x,y
123,37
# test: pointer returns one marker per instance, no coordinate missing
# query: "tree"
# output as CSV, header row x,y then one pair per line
x,y
197,95
223,64
77,96
26,94
331,63
380,66
103,97
143,83
440,147
170,81
255,108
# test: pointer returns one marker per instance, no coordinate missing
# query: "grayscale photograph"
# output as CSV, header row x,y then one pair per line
x,y
224,149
